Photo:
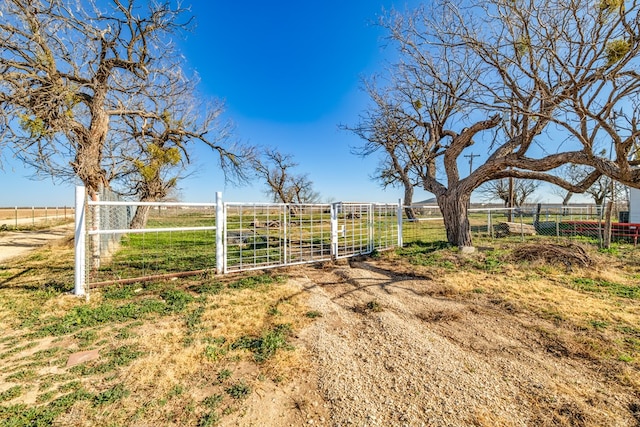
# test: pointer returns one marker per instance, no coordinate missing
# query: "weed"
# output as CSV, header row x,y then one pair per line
x,y
214,353
177,390
612,250
18,349
313,314
124,355
176,300
212,401
70,386
273,311
24,375
194,317
85,338
120,356
615,289
11,393
110,396
84,316
46,353
208,419
598,324
119,292
625,358
265,346
252,282
125,333
23,415
239,390
374,306
224,375
45,397
212,288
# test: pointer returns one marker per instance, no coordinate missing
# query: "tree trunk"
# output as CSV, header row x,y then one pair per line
x,y
140,218
454,208
408,200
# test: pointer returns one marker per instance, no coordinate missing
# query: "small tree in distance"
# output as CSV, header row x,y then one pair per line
x,y
514,194
283,186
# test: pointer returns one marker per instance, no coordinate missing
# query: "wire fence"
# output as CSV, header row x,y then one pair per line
x,y
32,217
186,238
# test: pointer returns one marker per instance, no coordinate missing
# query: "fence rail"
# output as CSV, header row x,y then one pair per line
x,y
182,238
16,217
223,237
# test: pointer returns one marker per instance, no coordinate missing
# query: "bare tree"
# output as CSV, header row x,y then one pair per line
x,y
389,132
534,82
603,188
159,141
283,185
69,70
513,194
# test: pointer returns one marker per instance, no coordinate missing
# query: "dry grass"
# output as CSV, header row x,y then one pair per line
x,y
162,346
181,351
593,306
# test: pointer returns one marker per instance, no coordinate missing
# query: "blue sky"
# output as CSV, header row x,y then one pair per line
x,y
289,74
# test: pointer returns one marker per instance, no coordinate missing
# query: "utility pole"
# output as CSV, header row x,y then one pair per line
x,y
470,157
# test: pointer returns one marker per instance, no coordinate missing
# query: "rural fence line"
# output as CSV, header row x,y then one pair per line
x,y
223,237
188,238
21,216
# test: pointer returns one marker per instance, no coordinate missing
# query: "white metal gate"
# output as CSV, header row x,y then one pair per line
x,y
262,235
354,229
245,236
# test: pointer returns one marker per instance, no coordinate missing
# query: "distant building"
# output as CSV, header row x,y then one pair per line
x,y
634,205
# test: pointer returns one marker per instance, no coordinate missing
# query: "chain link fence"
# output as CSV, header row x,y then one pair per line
x,y
586,223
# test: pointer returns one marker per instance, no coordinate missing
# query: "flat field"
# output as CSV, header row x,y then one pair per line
x,y
539,334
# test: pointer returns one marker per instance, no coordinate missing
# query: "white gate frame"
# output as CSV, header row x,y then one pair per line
x,y
81,233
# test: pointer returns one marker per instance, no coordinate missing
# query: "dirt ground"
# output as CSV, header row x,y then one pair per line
x,y
397,350
391,348
17,243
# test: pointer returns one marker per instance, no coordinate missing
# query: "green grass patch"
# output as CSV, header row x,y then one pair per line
x,y
85,317
11,393
111,395
121,356
239,390
265,346
313,314
253,282
603,286
44,415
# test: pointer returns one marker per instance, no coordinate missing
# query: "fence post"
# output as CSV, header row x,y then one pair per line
x,y
80,248
220,221
334,231
400,222
16,225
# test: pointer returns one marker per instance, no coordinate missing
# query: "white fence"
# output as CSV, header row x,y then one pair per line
x,y
222,237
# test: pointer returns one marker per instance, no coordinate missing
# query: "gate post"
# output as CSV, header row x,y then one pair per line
x,y
334,231
220,242
80,248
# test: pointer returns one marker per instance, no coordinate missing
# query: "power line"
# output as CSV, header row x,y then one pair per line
x,y
470,157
